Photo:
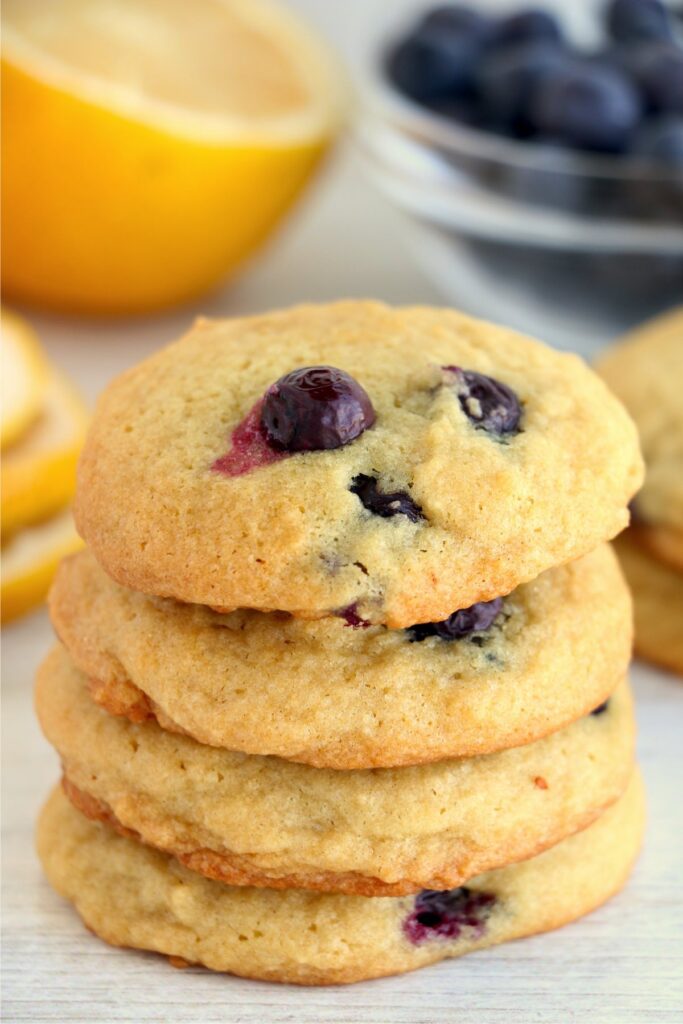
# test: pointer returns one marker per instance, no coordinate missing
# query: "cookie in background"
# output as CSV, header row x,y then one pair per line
x,y
645,370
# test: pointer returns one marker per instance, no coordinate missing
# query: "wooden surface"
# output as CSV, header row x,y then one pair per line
x,y
622,965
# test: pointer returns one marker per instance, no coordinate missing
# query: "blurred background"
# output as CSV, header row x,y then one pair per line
x,y
163,160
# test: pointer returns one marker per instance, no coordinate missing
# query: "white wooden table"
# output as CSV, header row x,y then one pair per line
x,y
622,965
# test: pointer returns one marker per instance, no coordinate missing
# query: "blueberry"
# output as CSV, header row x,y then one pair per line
x,y
437,60
660,140
601,708
530,25
633,21
315,408
458,18
658,71
476,619
507,79
611,55
587,106
352,618
447,914
489,404
426,68
387,505
464,109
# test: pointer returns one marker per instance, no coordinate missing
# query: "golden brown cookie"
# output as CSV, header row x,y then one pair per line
x,y
131,895
664,542
326,694
470,460
251,820
645,370
658,604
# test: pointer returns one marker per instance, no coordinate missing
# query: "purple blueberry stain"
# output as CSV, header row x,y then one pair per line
x,y
489,404
384,503
352,618
448,914
249,448
315,408
476,619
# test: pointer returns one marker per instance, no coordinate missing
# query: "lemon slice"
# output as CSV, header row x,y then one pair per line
x,y
29,562
39,471
151,146
24,377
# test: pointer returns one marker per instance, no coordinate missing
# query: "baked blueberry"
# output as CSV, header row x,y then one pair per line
x,y
352,618
489,404
476,619
601,708
587,106
632,21
385,504
447,914
437,59
315,408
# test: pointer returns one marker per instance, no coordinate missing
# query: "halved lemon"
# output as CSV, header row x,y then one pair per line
x,y
29,561
149,147
24,377
38,473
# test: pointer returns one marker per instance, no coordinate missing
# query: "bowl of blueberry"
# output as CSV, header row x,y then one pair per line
x,y
539,155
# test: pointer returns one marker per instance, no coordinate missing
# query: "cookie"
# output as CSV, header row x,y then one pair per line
x,y
131,895
658,604
664,542
251,820
326,694
646,371
426,463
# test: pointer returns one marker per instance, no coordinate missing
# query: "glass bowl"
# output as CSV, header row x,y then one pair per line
x,y
570,246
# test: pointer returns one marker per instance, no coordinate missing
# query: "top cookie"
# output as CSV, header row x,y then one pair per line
x,y
447,488
646,372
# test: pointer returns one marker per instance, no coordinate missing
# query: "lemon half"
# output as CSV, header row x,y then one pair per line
x,y
29,561
24,377
150,147
38,473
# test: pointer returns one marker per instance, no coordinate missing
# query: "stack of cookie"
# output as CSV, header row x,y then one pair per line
x,y
342,689
646,371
